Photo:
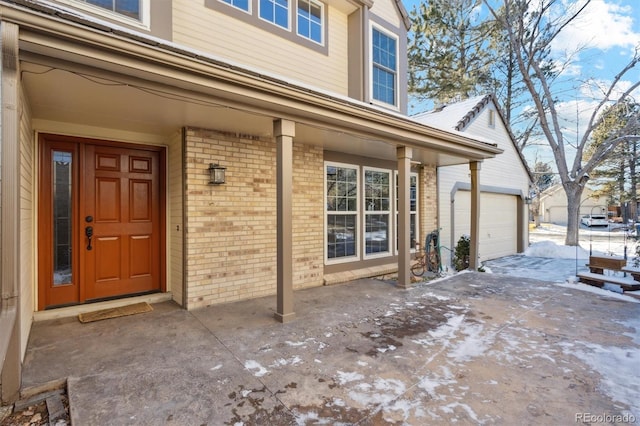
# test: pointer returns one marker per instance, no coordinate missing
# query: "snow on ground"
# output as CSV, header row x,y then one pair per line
x,y
549,259
600,240
550,249
457,342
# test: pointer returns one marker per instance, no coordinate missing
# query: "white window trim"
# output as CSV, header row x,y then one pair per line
x,y
417,212
357,256
143,23
389,213
248,11
396,103
288,27
322,22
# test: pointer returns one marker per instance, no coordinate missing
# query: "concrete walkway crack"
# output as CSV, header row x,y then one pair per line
x,y
242,364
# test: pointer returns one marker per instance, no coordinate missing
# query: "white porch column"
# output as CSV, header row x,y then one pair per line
x,y
404,155
284,131
474,167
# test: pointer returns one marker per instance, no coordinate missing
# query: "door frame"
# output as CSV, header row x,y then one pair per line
x,y
44,250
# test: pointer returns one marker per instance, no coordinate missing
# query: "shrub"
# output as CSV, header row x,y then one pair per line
x,y
461,253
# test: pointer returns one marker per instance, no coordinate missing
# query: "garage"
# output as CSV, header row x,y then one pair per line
x,y
498,222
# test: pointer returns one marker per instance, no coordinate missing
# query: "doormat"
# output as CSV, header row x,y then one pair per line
x,y
122,311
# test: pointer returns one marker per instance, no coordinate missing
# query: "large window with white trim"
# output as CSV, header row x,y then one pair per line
x,y
377,211
130,8
361,212
309,23
341,189
275,11
240,4
414,235
131,12
303,22
384,66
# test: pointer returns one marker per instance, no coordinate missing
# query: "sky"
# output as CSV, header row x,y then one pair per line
x,y
609,30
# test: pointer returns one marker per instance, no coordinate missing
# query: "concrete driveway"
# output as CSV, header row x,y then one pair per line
x,y
473,349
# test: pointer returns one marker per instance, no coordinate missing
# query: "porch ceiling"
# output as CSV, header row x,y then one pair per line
x,y
77,96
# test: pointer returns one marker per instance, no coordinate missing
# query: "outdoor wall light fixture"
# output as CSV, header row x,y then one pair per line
x,y
216,174
527,200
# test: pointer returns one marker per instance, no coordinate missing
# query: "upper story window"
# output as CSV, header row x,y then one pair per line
x,y
275,11
384,62
132,12
130,8
240,4
302,22
310,14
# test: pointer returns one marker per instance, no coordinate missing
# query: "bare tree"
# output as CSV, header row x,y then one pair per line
x,y
617,176
532,26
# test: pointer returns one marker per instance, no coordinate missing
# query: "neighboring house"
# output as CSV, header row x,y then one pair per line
x,y
553,204
504,182
113,112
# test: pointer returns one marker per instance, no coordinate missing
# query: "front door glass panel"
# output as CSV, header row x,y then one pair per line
x,y
62,216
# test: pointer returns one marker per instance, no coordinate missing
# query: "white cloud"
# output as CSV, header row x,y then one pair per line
x,y
601,25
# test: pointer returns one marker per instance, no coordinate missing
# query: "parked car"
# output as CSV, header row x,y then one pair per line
x,y
594,220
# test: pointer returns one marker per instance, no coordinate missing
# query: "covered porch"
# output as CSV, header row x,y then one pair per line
x,y
84,82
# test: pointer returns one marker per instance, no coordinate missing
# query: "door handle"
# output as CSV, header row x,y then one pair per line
x,y
89,233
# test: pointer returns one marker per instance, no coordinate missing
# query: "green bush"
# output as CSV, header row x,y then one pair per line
x,y
461,253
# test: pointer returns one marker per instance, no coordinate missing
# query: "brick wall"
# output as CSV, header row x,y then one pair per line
x,y
429,199
231,228
308,220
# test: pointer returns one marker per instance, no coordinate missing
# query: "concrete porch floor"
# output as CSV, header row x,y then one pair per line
x,y
475,348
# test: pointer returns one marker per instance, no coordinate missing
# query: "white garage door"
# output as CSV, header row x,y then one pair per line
x,y
498,223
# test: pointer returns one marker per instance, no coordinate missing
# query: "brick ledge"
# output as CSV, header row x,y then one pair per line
x,y
354,274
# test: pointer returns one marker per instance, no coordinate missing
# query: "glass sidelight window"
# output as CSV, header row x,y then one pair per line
x,y
62,216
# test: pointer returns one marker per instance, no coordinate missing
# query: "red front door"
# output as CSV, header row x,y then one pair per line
x,y
100,224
